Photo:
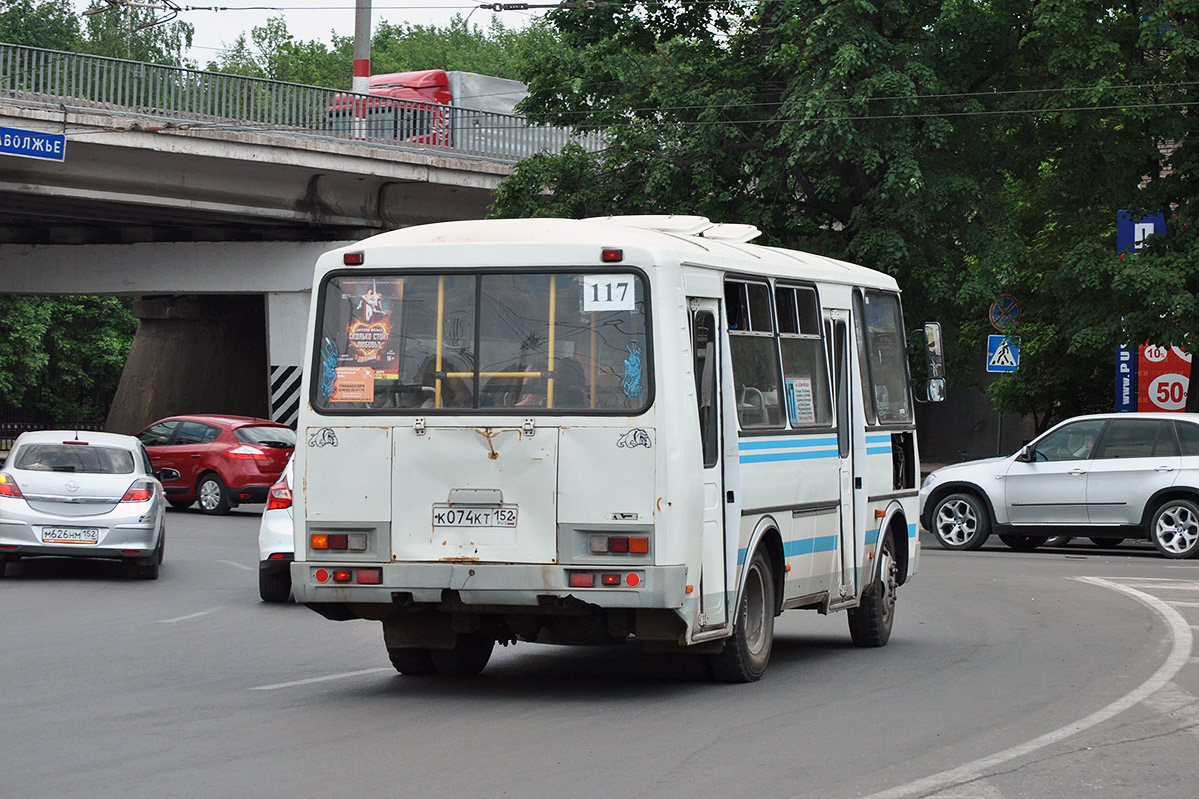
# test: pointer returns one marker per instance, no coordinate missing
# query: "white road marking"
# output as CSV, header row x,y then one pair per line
x,y
238,565
326,678
1164,583
1180,655
188,616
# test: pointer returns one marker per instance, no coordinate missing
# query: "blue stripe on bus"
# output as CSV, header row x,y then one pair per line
x,y
802,546
787,442
825,543
876,439
789,456
878,450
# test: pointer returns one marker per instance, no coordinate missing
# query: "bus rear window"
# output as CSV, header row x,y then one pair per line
x,y
569,342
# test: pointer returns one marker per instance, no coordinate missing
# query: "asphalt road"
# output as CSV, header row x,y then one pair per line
x,y
1062,673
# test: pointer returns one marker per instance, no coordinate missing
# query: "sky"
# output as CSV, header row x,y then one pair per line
x,y
317,19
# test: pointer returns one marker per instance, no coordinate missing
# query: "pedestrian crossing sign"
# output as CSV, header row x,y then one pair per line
x,y
1003,353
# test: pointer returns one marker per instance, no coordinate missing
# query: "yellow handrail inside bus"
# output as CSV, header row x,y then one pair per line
x,y
549,384
440,325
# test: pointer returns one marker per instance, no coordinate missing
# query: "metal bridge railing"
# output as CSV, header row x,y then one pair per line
x,y
78,82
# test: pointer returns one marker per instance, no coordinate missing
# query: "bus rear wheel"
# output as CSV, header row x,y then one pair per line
x,y
411,661
747,652
870,622
468,657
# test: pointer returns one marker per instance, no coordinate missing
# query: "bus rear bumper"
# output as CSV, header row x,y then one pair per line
x,y
489,584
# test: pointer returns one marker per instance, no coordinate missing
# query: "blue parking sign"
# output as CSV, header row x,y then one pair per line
x,y
1003,353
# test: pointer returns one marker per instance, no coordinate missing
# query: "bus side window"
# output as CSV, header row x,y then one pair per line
x,y
754,353
805,368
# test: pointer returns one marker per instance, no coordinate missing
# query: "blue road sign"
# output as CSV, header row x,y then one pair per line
x,y
1003,353
33,144
1131,233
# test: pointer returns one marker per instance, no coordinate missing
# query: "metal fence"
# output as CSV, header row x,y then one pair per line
x,y
80,82
10,430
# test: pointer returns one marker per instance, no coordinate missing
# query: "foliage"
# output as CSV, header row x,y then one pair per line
x,y
967,148
52,24
272,52
114,31
61,357
132,32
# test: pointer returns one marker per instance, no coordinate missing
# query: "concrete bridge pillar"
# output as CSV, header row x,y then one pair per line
x,y
194,354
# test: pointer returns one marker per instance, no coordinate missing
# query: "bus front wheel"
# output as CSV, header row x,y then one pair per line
x,y
747,652
870,622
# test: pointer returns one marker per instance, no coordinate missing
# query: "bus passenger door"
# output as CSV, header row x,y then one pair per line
x,y
710,367
845,445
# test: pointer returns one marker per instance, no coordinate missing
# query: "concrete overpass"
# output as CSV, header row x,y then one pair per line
x,y
211,220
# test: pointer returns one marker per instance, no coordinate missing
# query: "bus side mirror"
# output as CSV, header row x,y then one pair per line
x,y
934,364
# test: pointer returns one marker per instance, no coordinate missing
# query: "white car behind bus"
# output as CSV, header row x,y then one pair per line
x,y
276,541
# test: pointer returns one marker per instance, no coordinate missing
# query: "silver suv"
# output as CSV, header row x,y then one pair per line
x,y
1105,476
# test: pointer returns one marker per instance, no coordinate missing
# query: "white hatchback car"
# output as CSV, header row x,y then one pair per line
x,y
1107,477
276,541
72,493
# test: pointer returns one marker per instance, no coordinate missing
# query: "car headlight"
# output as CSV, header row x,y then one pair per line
x,y
932,476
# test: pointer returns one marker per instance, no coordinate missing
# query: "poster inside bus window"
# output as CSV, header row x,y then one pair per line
x,y
800,406
364,317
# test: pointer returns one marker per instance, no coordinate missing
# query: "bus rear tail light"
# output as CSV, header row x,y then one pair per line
x,y
370,576
338,542
606,579
637,545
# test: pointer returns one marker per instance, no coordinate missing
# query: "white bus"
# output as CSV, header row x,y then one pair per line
x,y
588,431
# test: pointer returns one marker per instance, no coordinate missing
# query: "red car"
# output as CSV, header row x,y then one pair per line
x,y
223,461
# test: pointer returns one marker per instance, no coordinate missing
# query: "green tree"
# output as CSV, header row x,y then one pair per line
x,y
967,148
271,51
136,33
52,24
61,357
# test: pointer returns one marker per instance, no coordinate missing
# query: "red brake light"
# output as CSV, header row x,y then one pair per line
x,y
138,492
611,255
247,452
280,495
8,488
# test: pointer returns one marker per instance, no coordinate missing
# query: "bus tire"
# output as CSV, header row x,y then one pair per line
x,y
411,661
468,657
747,651
870,622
